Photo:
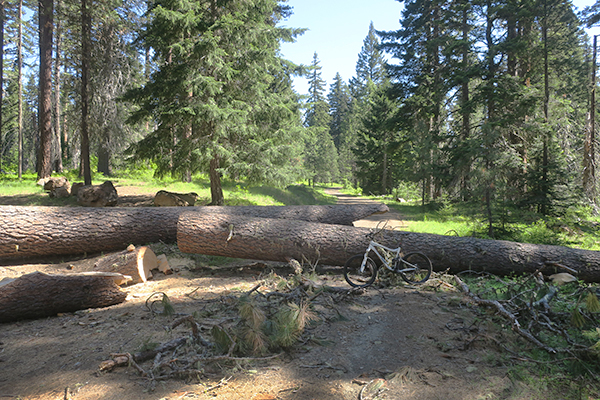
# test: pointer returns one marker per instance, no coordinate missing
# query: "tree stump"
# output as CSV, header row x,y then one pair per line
x,y
39,295
98,195
135,262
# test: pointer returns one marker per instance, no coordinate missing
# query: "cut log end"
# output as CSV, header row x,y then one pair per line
x,y
137,263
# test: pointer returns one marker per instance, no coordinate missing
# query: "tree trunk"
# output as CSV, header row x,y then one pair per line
x,y
57,127
2,13
278,240
589,162
38,295
464,102
20,90
216,191
545,181
104,153
46,21
86,22
44,231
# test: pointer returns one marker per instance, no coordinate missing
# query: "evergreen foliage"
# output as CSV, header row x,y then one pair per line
x,y
487,91
321,157
485,102
217,98
377,141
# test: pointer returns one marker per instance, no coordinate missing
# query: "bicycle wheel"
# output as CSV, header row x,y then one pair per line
x,y
354,276
414,267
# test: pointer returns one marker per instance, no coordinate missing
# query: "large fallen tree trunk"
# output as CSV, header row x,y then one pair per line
x,y
43,231
277,240
38,295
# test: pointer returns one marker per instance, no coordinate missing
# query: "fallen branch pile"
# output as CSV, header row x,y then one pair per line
x,y
256,325
550,315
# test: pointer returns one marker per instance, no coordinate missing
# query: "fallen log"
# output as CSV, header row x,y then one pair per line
x,y
135,262
98,195
277,240
39,295
164,198
43,231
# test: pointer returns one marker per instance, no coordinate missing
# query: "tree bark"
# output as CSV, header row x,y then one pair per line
x,y
278,240
134,262
86,23
46,21
44,231
39,295
1,74
20,90
216,191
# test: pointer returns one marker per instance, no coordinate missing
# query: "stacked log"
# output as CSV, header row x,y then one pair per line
x,y
104,195
44,231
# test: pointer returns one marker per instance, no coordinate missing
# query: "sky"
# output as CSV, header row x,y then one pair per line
x,y
337,28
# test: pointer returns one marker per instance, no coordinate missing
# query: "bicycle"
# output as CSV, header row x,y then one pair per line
x,y
360,270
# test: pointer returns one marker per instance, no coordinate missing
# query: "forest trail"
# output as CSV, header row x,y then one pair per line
x,y
394,219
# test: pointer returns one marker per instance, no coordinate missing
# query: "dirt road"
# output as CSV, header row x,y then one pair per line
x,y
394,219
403,342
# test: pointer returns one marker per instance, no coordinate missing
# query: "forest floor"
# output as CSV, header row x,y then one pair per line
x,y
394,342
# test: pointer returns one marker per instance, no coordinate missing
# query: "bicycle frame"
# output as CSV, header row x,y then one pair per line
x,y
373,246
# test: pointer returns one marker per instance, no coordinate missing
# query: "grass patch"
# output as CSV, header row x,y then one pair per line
x,y
26,192
576,230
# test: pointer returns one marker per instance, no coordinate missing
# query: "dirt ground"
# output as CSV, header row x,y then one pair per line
x,y
395,342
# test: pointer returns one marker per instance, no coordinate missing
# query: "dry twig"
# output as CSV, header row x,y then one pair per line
x,y
516,326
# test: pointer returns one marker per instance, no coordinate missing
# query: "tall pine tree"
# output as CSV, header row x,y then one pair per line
x,y
321,158
342,127
214,97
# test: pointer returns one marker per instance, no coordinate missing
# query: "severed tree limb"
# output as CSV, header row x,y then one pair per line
x,y
195,329
516,326
545,301
149,354
222,382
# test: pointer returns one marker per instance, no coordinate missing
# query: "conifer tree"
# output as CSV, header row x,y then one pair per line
x,y
418,83
342,127
339,109
213,97
321,158
377,141
370,65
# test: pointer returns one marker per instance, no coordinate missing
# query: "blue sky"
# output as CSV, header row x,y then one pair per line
x,y
337,28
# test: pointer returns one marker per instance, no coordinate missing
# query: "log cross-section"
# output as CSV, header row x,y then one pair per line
x,y
134,262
